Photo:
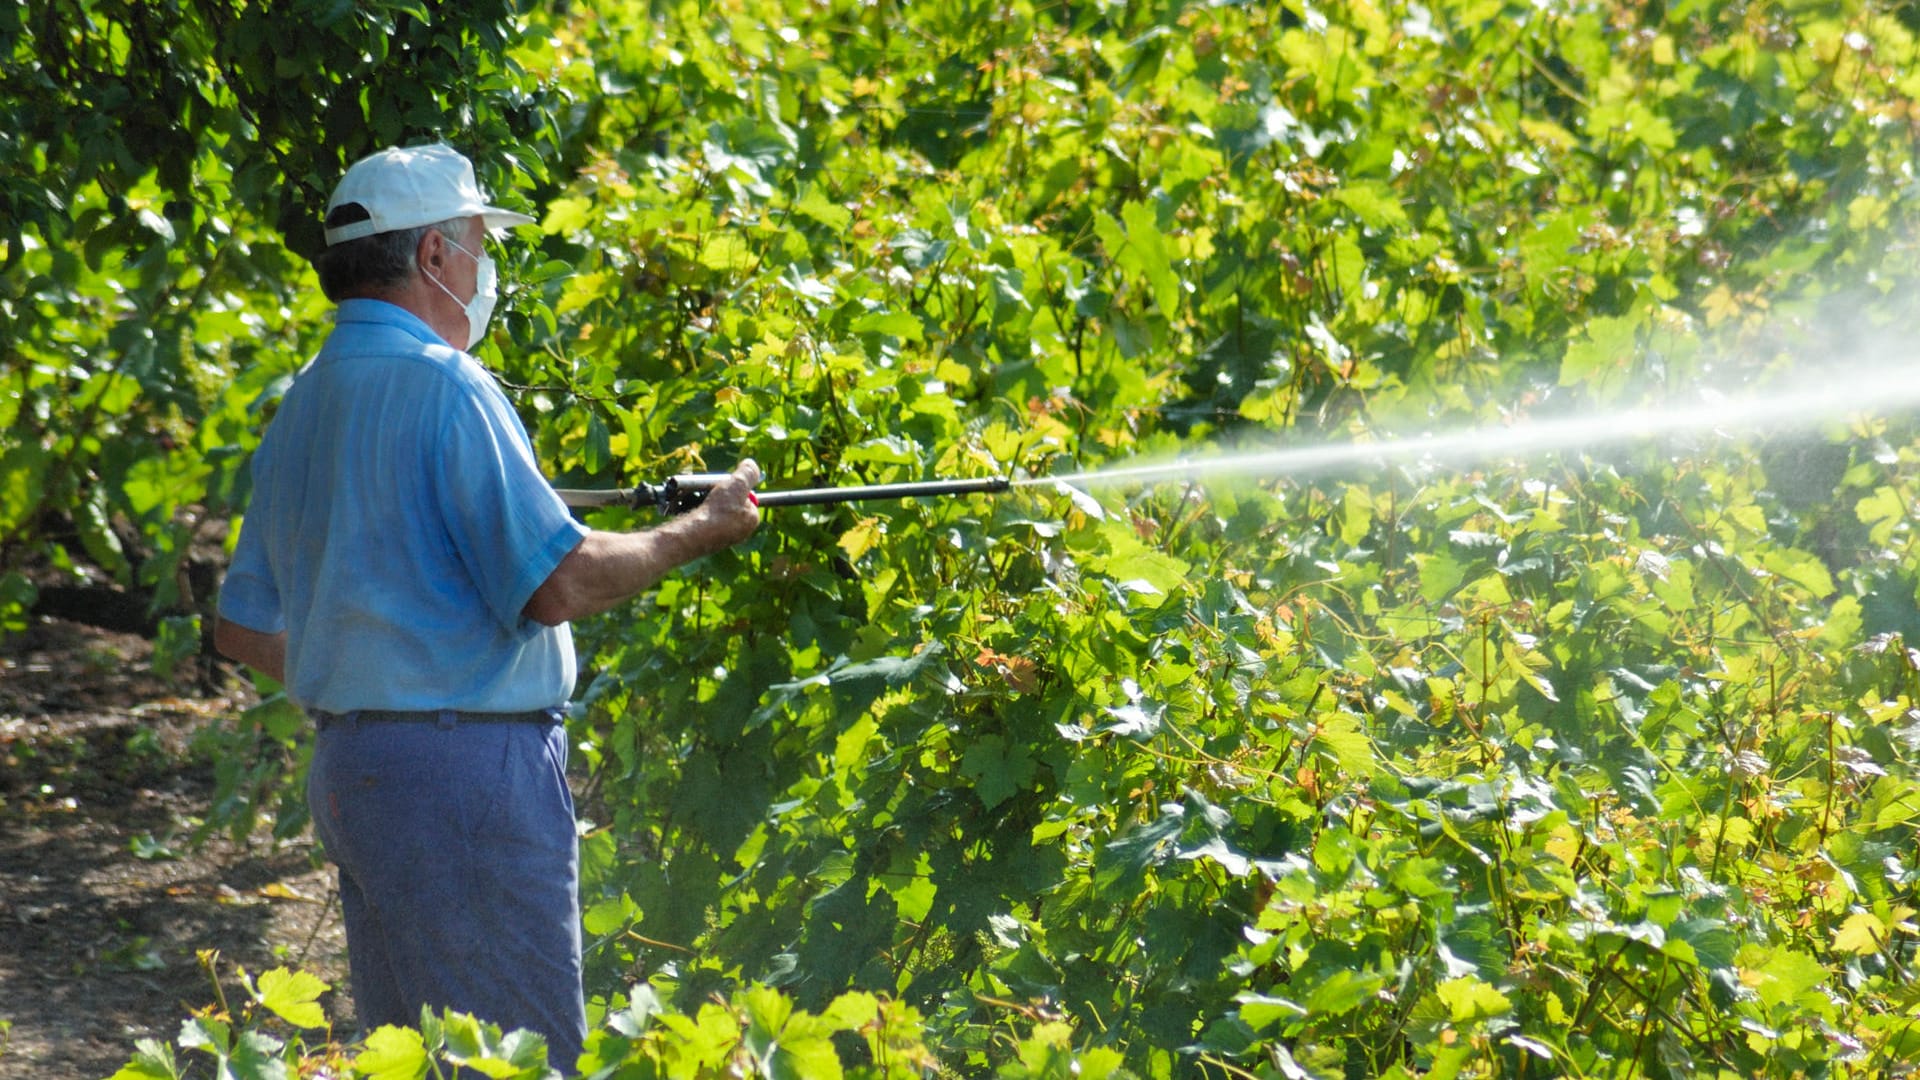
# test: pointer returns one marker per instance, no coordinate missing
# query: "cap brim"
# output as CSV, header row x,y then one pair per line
x,y
497,218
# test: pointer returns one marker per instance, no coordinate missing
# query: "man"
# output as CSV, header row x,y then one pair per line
x,y
408,574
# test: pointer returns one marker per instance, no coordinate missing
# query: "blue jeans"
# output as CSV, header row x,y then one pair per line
x,y
459,870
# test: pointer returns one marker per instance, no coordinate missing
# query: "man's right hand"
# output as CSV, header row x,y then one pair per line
x,y
729,513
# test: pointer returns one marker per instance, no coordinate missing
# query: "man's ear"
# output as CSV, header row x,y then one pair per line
x,y
431,250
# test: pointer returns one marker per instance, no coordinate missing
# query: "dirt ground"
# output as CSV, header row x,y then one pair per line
x,y
105,903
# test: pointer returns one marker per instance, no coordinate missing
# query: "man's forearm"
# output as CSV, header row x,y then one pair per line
x,y
606,568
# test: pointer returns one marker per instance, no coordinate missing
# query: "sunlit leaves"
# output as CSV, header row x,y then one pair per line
x,y
22,485
1598,763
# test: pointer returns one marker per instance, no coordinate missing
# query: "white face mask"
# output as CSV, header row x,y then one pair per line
x,y
486,291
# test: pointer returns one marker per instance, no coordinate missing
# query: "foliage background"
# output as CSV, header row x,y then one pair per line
x,y
1599,764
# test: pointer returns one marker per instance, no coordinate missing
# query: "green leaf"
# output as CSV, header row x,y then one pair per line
x,y
293,996
178,639
1155,256
1781,976
23,472
816,205
1128,559
474,1044
567,215
1883,511
1139,245
17,596
97,535
152,1060
1341,738
884,670
392,1053
608,916
146,848
1801,568
999,769
898,324
852,1011
1606,355
597,452
1470,1000
853,683
258,1057
806,1058
1343,991
202,1033
1124,861
1261,1011
726,252
1374,202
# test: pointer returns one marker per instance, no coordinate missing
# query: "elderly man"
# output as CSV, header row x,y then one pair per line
x,y
408,574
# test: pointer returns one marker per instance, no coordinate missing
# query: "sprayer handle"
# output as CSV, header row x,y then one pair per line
x,y
682,492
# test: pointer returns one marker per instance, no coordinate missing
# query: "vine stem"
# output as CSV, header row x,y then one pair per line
x,y
1593,987
1826,810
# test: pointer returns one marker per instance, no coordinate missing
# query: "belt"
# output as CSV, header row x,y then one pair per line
x,y
445,718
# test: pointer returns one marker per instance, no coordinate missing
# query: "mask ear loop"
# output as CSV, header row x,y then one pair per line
x,y
462,249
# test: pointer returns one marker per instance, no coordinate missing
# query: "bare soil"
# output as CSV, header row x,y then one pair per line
x,y
110,915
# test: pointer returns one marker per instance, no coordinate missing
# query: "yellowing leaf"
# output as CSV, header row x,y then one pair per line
x,y
583,289
1564,844
1862,934
566,215
862,538
1020,673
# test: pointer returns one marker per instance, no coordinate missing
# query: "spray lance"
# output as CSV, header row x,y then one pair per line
x,y
678,494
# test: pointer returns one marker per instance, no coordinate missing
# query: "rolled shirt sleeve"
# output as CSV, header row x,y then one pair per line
x,y
248,596
502,517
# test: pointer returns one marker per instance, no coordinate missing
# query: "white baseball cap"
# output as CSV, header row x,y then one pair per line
x,y
405,188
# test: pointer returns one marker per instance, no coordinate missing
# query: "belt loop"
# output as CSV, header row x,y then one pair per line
x,y
447,719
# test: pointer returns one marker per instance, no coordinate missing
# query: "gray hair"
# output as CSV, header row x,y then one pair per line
x,y
380,263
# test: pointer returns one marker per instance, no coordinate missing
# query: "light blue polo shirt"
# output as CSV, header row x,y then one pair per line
x,y
398,526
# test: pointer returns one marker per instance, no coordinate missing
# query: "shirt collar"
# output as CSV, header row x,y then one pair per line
x,y
382,313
